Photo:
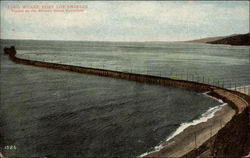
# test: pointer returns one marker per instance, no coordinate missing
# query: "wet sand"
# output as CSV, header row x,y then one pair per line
x,y
194,136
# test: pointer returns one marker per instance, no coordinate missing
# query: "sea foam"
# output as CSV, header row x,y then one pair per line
x,y
203,118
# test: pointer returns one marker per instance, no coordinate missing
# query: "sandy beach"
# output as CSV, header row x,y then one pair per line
x,y
194,136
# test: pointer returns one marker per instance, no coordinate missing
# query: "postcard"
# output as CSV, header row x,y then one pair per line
x,y
124,79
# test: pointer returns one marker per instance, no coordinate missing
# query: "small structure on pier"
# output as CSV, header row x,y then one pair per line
x,y
10,51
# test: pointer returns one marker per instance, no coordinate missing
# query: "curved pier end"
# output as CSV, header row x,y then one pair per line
x,y
228,140
10,51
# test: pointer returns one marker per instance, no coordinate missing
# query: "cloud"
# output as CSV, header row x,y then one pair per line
x,y
136,21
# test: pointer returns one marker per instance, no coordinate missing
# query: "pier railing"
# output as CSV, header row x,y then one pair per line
x,y
220,88
231,82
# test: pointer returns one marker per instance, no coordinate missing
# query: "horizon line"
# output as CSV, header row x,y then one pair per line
x,y
160,41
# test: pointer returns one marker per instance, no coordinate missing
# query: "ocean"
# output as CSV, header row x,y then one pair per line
x,y
46,112
229,65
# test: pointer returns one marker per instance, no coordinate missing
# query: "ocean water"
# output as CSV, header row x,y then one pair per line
x,y
46,112
227,66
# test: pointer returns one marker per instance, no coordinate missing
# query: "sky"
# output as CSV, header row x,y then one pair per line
x,y
127,20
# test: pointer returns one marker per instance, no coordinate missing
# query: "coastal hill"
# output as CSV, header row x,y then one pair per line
x,y
236,39
208,39
242,39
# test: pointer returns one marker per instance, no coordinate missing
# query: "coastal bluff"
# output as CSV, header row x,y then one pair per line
x,y
237,40
229,141
234,40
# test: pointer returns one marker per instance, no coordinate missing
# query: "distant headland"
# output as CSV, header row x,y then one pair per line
x,y
235,39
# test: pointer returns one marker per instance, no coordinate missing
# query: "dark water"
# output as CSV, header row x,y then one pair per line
x,y
229,65
56,113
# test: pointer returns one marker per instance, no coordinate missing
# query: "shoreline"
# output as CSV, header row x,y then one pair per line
x,y
218,109
234,119
201,127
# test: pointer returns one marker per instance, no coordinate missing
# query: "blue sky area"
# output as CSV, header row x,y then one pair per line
x,y
127,21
